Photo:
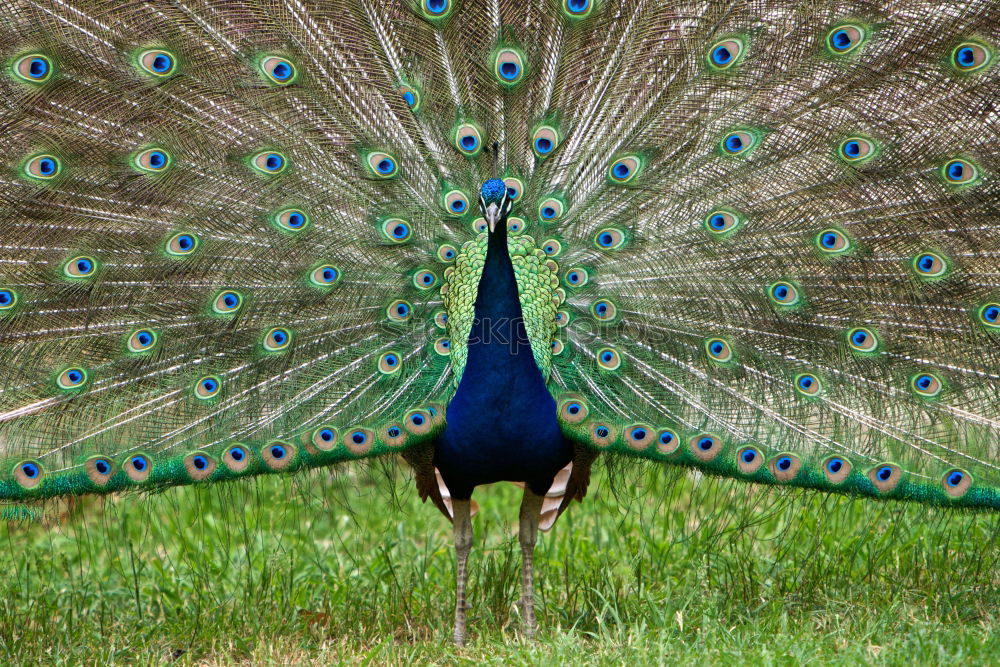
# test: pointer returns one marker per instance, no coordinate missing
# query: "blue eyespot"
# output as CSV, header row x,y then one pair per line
x,y
359,438
34,68
509,70
326,434
834,465
543,145
278,452
385,166
199,462
410,98
784,463
666,438
840,40
209,385
706,444
574,408
621,170
955,478
103,466
748,456
725,54
638,434
7,299
458,205
139,463
884,473
417,419
436,7
721,56
733,143
602,431
237,454
806,382
548,212
30,470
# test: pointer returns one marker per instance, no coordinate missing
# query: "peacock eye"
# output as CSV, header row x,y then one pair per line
x,y
970,57
725,54
182,244
509,66
269,162
152,160
43,167
845,38
34,68
278,70
157,62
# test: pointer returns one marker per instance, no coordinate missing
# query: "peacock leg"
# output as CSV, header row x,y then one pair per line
x,y
462,521
531,507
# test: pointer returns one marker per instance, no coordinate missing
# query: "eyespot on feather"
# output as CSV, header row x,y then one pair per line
x,y
862,339
359,440
33,68
277,339
418,421
446,253
602,434
836,469
42,167
278,455
738,142
833,242
989,315
207,387
399,311
608,359
785,467
278,70
610,238
856,150
845,38
138,467
885,476
784,294
705,446
80,267
749,459
394,436
576,277
291,220
508,66
725,54
182,244
468,139
410,95
455,203
544,141
719,350
435,9
956,482
808,384
624,169
28,474
142,340
573,410
959,172
515,188
227,302
99,470
152,160
721,223
323,439
577,9
552,247
424,279
236,458
72,379
516,225
382,165
929,265
639,436
269,162
199,466
326,275
389,363
8,299
551,209
667,441
970,57
157,62
926,385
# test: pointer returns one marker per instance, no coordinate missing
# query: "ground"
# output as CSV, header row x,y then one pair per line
x,y
349,567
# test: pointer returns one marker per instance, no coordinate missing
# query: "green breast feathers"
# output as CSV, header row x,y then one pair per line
x,y
538,291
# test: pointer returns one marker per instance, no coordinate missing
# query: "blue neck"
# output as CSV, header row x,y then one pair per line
x,y
502,420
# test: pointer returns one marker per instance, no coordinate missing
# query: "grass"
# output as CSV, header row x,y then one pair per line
x,y
350,568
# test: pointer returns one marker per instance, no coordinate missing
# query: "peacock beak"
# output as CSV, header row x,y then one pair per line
x,y
493,214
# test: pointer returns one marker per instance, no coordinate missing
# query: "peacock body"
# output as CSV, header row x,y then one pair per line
x,y
758,239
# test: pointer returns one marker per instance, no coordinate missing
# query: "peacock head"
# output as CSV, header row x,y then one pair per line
x,y
494,202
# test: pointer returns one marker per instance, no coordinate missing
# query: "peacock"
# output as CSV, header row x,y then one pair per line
x,y
760,239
